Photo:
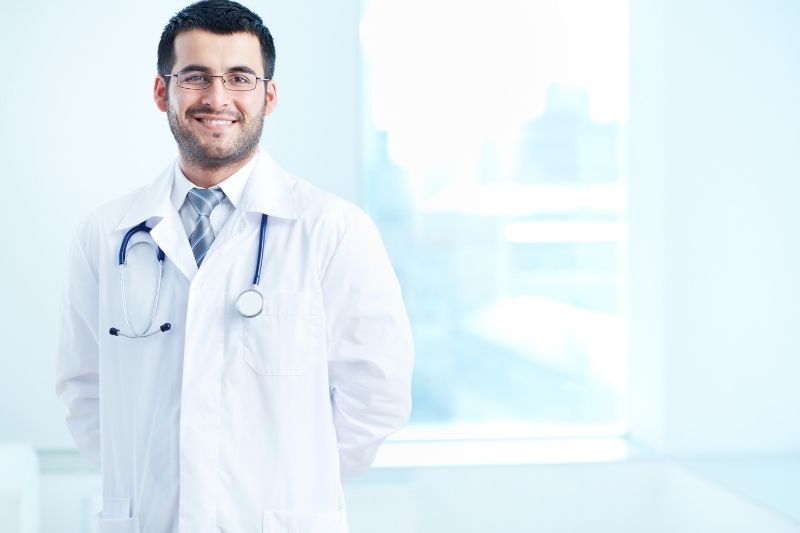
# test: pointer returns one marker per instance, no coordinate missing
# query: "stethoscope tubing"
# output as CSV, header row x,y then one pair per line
x,y
123,248
262,237
123,251
154,309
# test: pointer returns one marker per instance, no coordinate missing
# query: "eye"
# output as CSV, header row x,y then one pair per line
x,y
237,78
194,77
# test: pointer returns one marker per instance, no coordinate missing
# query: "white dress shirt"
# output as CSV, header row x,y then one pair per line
x,y
232,186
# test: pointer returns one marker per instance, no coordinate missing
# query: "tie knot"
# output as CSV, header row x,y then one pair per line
x,y
204,200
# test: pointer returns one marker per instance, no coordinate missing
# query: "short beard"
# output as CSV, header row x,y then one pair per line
x,y
194,153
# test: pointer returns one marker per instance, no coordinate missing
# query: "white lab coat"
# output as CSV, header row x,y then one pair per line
x,y
225,423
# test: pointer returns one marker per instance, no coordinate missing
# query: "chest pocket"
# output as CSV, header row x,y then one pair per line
x,y
286,337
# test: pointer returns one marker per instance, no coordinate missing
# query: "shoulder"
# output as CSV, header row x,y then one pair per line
x,y
107,215
326,212
96,232
336,227
111,212
103,225
146,202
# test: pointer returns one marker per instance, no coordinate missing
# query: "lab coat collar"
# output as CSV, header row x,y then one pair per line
x,y
269,191
152,203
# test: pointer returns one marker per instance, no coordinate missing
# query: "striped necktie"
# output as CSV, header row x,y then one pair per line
x,y
203,201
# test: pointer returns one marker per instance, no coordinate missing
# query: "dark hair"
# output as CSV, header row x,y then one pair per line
x,y
222,17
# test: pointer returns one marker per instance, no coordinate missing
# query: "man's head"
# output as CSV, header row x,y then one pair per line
x,y
215,125
222,17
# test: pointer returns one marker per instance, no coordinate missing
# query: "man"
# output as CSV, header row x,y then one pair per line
x,y
206,414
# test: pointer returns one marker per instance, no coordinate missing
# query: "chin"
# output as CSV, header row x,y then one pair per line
x,y
219,151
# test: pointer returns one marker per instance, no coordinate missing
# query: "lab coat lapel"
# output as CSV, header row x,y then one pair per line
x,y
268,191
153,204
170,235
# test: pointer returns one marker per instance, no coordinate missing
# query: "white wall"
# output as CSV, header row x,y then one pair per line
x,y
714,189
79,127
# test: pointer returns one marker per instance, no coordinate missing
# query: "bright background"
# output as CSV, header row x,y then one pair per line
x,y
493,164
591,207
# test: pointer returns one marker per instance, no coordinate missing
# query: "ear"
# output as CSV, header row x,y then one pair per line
x,y
271,97
160,94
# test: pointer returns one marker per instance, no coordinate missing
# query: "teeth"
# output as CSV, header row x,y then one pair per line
x,y
217,122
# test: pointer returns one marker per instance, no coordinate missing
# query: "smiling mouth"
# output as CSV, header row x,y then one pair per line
x,y
214,122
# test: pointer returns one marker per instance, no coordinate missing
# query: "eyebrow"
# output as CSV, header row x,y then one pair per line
x,y
238,68
201,68
243,68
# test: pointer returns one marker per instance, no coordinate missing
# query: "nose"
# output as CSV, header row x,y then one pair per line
x,y
216,95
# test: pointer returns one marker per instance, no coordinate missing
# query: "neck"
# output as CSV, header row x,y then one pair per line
x,y
208,176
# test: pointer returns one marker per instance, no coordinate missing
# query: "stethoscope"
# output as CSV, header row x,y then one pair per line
x,y
249,303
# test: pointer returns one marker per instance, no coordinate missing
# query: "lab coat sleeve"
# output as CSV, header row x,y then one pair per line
x,y
77,362
370,348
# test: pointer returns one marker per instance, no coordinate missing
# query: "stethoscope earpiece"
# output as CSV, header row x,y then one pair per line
x,y
166,326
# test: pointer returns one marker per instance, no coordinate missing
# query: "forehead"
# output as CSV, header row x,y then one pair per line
x,y
217,52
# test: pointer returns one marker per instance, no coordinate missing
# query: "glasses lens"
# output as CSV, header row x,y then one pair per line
x,y
194,79
239,81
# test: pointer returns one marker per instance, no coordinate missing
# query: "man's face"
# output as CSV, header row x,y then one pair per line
x,y
215,127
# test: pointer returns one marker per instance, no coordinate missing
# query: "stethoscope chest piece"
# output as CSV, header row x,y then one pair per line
x,y
250,303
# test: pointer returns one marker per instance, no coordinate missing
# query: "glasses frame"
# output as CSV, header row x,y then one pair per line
x,y
222,79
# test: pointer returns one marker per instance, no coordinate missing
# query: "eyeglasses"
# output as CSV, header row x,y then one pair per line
x,y
232,81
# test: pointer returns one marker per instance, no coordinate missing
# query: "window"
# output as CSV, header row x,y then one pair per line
x,y
493,165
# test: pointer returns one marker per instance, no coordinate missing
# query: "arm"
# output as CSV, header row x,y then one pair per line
x,y
77,363
370,349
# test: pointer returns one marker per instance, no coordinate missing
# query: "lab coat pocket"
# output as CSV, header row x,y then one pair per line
x,y
286,337
285,522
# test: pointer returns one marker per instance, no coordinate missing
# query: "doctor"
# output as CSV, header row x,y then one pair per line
x,y
206,414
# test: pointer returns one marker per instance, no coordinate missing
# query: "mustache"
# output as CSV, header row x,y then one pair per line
x,y
200,110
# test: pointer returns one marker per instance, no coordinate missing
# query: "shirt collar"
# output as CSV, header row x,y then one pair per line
x,y
233,186
269,190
